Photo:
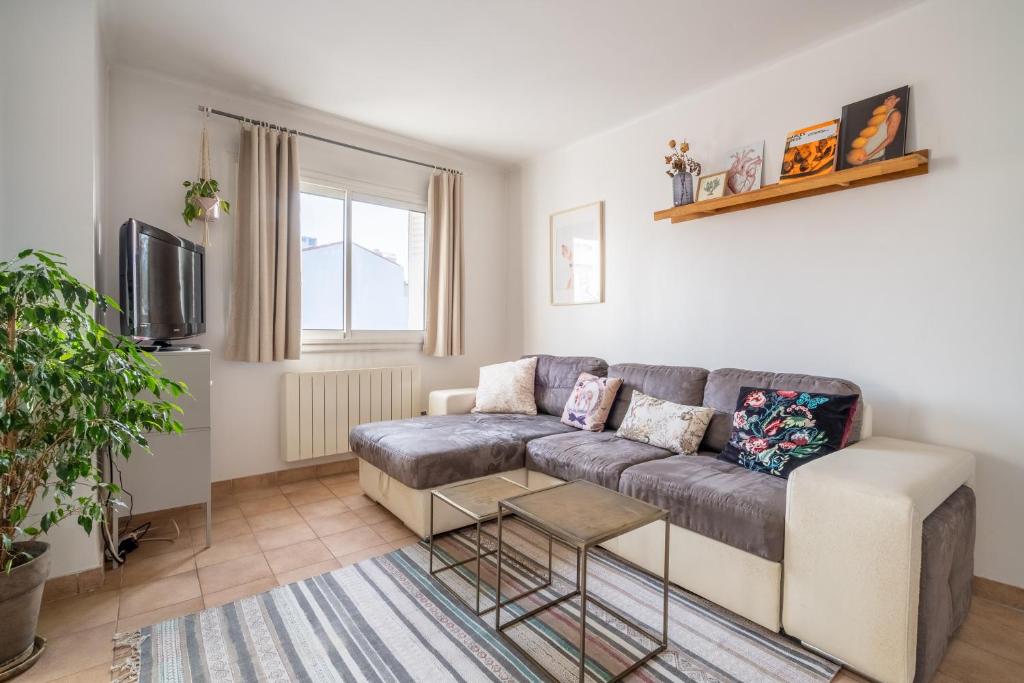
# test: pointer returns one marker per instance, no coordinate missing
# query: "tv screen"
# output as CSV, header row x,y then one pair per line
x,y
162,284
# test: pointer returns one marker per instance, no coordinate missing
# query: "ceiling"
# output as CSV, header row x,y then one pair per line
x,y
495,79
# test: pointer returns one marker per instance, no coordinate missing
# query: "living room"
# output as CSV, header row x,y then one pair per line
x,y
476,216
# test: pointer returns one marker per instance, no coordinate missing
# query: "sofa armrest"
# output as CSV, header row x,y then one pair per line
x,y
451,401
852,571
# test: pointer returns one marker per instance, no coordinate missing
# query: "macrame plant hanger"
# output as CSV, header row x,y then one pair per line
x,y
210,214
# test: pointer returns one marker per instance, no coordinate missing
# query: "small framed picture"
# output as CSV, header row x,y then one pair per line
x,y
711,186
745,164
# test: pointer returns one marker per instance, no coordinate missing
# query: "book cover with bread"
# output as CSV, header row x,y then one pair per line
x,y
810,151
874,129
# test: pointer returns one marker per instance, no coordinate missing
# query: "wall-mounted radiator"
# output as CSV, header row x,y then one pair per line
x,y
319,408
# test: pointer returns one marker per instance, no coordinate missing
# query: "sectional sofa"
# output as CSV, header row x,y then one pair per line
x,y
865,555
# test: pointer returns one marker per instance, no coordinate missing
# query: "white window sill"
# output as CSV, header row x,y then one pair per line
x,y
358,343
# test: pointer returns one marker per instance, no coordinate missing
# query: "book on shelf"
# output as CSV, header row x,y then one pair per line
x,y
810,151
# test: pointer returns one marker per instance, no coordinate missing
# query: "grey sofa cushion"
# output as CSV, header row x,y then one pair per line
x,y
720,500
668,382
423,452
947,569
723,388
598,457
556,376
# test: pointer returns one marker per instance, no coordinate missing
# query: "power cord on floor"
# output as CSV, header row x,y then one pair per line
x,y
111,551
131,540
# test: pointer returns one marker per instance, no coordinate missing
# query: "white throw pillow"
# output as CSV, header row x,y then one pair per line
x,y
668,425
507,388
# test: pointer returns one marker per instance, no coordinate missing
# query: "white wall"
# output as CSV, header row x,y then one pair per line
x,y
52,94
911,288
154,138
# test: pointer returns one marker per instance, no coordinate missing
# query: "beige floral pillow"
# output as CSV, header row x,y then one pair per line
x,y
507,388
668,425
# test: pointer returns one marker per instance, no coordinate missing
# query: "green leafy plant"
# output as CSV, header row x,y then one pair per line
x,y
69,388
204,187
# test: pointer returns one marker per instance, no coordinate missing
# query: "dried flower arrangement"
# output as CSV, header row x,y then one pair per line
x,y
679,161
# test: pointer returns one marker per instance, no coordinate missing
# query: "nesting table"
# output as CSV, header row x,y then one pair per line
x,y
477,500
582,515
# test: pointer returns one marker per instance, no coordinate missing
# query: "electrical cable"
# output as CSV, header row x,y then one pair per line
x,y
131,540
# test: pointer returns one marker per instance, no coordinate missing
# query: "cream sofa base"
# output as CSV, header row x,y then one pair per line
x,y
412,506
853,550
746,584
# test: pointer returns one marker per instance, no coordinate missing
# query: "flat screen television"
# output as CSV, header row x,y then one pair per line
x,y
162,285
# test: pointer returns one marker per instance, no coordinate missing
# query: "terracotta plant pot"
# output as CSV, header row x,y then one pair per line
x,y
21,593
210,208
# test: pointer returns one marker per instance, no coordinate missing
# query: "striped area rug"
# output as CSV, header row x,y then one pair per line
x,y
386,619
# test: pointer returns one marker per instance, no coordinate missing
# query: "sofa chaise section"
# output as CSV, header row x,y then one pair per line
x,y
400,461
436,450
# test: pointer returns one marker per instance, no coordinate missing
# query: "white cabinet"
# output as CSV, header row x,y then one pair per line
x,y
177,471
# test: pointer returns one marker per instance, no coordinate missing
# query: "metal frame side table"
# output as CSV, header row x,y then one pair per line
x,y
479,501
582,515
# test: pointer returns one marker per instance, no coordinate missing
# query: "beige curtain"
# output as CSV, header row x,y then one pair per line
x,y
444,270
264,321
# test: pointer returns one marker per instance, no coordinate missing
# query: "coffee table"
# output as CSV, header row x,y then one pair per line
x,y
478,500
582,515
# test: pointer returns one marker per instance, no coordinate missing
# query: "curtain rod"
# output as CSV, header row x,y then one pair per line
x,y
311,136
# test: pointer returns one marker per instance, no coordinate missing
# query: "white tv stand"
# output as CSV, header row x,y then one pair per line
x,y
177,473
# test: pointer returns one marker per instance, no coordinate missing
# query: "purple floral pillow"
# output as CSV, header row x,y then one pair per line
x,y
590,402
775,431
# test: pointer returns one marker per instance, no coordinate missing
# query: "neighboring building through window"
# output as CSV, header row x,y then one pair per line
x,y
362,263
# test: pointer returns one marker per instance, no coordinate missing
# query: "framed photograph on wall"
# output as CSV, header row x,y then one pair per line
x,y
577,255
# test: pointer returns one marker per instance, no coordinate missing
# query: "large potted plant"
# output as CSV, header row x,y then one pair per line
x,y
68,387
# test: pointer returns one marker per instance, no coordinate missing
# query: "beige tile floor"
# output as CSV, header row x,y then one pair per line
x,y
265,537
262,538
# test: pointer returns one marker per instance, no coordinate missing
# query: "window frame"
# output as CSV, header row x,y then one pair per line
x,y
349,190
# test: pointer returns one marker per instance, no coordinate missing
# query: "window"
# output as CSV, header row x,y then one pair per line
x,y
362,267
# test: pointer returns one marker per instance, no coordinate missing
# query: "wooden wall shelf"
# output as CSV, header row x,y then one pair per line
x,y
914,163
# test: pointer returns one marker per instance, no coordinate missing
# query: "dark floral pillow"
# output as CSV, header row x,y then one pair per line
x,y
775,431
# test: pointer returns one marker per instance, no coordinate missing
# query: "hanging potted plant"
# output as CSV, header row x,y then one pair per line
x,y
69,388
683,169
202,201
202,196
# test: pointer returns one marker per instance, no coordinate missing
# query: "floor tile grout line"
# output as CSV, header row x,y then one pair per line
x,y
293,507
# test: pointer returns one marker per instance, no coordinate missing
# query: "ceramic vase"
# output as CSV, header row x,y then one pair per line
x,y
682,189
